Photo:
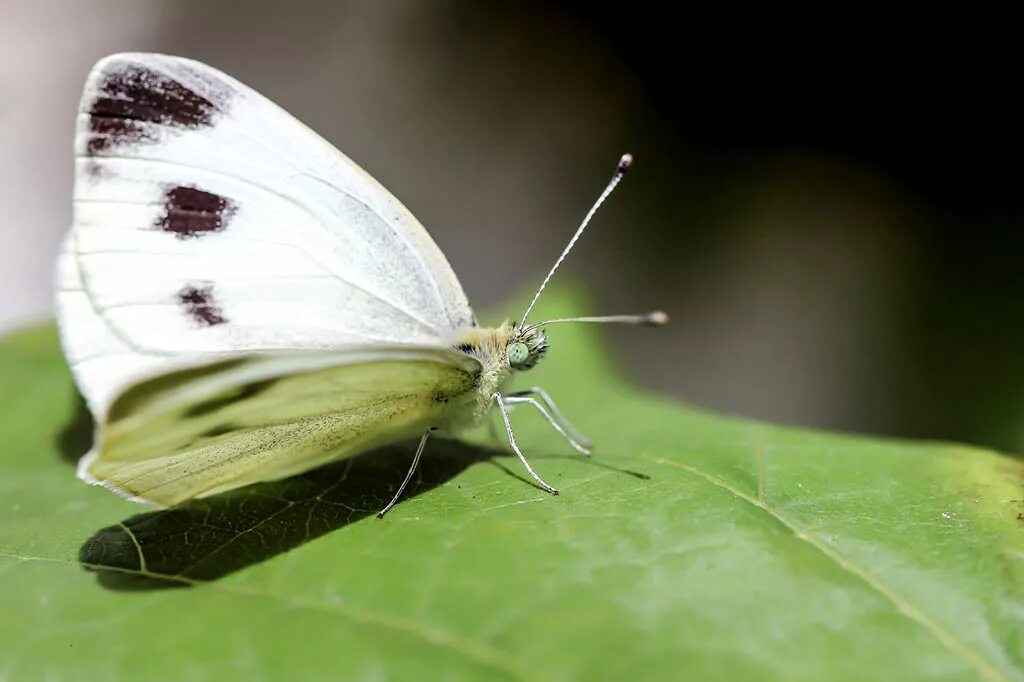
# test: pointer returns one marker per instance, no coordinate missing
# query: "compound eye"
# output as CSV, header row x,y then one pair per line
x,y
518,354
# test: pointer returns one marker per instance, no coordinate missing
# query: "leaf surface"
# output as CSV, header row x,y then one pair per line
x,y
691,545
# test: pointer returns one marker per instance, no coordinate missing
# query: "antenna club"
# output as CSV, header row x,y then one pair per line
x,y
625,162
657,318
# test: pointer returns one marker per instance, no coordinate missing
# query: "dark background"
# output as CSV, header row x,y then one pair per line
x,y
827,205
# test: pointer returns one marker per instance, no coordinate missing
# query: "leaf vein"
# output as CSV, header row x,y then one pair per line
x,y
982,665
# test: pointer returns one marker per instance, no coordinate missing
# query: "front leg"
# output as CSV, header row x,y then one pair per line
x,y
515,448
574,433
520,400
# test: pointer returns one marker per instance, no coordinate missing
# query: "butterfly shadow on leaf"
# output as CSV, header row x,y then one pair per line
x,y
207,539
75,438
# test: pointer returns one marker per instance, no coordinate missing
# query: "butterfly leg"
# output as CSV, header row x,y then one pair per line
x,y
574,433
530,400
408,476
515,448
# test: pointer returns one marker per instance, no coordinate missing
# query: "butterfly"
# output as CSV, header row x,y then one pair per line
x,y
240,302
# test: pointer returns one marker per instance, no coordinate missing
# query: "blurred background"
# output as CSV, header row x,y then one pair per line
x,y
828,207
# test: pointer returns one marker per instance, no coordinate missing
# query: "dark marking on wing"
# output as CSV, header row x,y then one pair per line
x,y
242,393
466,348
190,212
134,96
96,171
198,302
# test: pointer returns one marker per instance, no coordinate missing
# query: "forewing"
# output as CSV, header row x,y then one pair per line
x,y
209,221
212,428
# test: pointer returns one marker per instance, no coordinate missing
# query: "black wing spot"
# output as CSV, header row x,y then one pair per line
x,y
111,132
467,348
137,93
198,302
134,96
191,212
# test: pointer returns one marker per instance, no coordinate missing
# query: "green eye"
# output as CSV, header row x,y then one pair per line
x,y
518,354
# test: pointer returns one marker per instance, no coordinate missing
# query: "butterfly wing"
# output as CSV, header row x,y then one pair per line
x,y
208,221
211,428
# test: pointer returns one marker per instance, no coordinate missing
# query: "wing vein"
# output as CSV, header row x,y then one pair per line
x,y
291,201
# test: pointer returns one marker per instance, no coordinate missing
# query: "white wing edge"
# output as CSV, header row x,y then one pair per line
x,y
82,471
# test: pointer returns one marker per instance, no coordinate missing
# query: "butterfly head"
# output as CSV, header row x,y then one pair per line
x,y
526,348
529,343
519,346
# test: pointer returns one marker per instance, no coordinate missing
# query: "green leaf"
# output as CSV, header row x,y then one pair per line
x,y
691,546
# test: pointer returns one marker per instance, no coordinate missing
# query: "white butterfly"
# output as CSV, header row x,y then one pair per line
x,y
240,302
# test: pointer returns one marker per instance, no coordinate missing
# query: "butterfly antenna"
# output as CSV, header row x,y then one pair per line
x,y
624,163
655,318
